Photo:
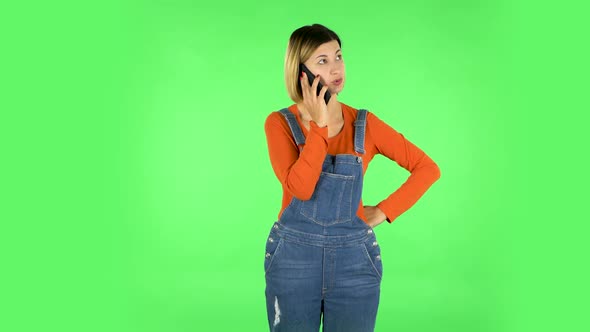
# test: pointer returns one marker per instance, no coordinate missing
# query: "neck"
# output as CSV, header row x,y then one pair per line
x,y
334,109
333,105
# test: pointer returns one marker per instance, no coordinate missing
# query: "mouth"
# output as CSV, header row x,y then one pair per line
x,y
337,82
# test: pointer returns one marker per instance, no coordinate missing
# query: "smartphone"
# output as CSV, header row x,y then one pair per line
x,y
310,78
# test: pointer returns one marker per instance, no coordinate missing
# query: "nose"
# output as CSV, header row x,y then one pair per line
x,y
336,68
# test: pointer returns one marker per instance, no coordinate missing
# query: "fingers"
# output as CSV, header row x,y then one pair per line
x,y
304,86
309,91
323,92
316,81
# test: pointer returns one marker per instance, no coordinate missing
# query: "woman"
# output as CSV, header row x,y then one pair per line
x,y
322,256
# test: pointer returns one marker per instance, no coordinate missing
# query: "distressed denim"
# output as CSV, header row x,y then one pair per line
x,y
323,263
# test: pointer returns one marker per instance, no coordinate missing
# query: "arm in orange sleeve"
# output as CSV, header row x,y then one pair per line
x,y
297,172
424,171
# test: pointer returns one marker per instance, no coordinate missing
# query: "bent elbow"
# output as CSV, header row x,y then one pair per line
x,y
301,188
436,172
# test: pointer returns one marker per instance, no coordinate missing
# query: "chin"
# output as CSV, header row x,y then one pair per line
x,y
336,91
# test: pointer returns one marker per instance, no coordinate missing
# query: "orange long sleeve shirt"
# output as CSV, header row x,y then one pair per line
x,y
299,172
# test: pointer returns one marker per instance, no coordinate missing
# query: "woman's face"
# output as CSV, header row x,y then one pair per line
x,y
327,61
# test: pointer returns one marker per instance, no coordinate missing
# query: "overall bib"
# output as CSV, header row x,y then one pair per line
x,y
321,258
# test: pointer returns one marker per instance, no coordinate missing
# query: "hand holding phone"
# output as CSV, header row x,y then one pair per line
x,y
314,108
310,78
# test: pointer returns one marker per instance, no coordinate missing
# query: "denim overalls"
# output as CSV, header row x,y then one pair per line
x,y
321,258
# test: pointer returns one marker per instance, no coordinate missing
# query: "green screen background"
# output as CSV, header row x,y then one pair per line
x,y
138,192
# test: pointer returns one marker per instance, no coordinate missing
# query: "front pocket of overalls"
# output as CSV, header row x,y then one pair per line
x,y
373,252
331,203
273,247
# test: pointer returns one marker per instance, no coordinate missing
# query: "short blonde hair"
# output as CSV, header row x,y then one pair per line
x,y
302,43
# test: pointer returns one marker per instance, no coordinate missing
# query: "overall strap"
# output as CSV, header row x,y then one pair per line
x,y
295,128
359,131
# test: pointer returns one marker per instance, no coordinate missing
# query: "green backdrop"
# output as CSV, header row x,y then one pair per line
x,y
138,192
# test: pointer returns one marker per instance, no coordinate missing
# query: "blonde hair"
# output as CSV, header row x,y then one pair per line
x,y
302,43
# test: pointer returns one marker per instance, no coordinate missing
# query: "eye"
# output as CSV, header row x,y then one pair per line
x,y
322,61
339,57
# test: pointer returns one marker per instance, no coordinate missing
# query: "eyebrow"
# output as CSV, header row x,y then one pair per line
x,y
338,50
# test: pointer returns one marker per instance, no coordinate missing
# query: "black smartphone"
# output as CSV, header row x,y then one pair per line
x,y
310,78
